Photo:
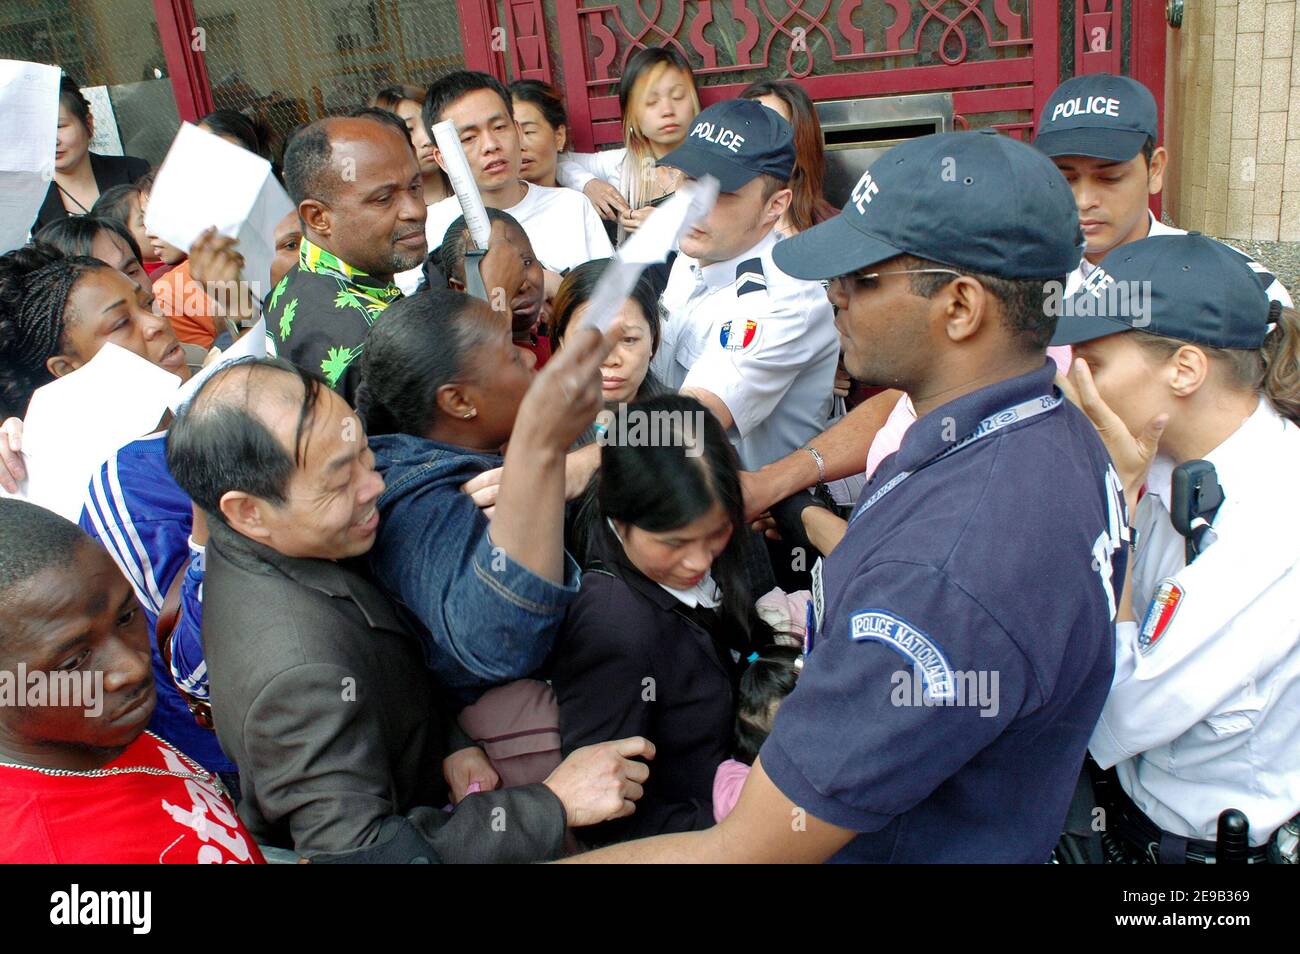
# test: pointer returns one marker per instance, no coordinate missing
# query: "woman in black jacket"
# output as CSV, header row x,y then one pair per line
x,y
655,640
79,174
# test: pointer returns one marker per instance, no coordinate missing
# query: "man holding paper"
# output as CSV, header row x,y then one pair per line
x,y
561,224
360,199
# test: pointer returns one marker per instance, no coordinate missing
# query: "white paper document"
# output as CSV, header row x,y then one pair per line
x,y
649,245
29,121
462,182
75,423
251,344
207,181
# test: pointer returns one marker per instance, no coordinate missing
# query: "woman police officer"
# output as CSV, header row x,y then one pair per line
x,y
1180,356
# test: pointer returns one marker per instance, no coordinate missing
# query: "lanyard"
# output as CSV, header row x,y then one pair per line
x,y
994,422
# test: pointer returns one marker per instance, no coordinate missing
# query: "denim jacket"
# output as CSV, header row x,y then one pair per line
x,y
484,618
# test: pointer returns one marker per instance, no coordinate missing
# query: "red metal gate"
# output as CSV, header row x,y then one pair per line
x,y
1000,58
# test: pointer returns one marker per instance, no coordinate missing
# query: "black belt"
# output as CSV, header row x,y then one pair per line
x,y
1151,843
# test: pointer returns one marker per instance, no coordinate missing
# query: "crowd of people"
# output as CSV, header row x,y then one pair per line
x,y
858,534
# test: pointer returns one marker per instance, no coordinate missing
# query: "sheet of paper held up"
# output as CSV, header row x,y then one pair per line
x,y
649,245
462,181
251,344
29,121
206,181
75,423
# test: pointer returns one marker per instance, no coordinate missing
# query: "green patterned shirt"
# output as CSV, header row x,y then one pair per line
x,y
320,313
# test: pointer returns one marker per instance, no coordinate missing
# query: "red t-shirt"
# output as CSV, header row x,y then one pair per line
x,y
131,818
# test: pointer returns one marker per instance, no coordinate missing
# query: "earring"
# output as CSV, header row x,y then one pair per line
x,y
470,413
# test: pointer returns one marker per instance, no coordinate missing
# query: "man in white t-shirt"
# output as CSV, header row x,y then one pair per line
x,y
561,224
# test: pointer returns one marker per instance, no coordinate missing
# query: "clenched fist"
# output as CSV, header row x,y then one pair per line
x,y
601,782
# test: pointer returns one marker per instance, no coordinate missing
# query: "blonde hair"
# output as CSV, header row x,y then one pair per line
x,y
638,174
1272,370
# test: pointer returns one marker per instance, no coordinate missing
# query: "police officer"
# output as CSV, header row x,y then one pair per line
x,y
1102,131
1204,713
966,641
754,345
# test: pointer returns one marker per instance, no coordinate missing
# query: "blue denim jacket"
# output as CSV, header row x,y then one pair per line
x,y
484,619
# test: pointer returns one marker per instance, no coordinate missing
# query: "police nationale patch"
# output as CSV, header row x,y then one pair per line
x,y
902,637
1164,606
737,335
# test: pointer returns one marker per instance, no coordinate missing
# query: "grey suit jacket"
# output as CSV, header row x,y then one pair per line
x,y
321,697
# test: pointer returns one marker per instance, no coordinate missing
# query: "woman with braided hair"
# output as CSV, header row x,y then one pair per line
x,y
56,312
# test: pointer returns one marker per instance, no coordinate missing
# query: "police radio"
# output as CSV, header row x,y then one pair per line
x,y
1197,497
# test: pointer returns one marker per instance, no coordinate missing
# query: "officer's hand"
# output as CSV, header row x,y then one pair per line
x,y
609,202
12,468
1131,453
600,782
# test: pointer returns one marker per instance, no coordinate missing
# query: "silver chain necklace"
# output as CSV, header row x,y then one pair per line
x,y
198,774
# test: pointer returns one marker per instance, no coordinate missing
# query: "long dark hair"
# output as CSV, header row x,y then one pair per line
x,y
662,488
549,102
71,99
767,680
808,205
230,122
424,342
579,285
76,234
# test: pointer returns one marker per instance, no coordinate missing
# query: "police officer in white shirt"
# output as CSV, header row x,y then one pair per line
x,y
754,345
1101,132
1175,362
561,224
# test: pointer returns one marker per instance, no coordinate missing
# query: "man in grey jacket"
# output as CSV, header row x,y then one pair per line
x,y
318,691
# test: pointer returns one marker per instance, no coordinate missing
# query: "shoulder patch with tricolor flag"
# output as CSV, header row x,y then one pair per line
x,y
1164,606
738,334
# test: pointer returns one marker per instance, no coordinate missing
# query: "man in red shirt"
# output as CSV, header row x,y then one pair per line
x,y
80,779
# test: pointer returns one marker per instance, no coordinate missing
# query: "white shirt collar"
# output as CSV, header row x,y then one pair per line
x,y
705,593
720,274
1154,227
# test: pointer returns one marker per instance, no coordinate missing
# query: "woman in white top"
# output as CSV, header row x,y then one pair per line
x,y
1183,358
658,100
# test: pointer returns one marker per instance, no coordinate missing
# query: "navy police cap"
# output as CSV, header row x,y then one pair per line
x,y
1187,287
978,201
735,141
1102,116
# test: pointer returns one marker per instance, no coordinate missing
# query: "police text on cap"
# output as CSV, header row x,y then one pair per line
x,y
1080,105
721,135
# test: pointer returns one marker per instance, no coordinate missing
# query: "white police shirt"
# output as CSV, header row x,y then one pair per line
x,y
1204,711
561,225
1275,289
762,341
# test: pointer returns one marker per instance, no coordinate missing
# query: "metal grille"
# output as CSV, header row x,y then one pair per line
x,y
293,61
112,43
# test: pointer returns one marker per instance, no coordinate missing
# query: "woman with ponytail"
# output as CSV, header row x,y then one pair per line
x,y
1181,360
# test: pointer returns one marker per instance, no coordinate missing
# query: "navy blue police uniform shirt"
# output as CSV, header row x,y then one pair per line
x,y
988,578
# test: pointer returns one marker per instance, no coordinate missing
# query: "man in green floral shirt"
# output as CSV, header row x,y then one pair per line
x,y
360,197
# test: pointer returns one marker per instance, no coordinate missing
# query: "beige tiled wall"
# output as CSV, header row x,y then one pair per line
x,y
1232,119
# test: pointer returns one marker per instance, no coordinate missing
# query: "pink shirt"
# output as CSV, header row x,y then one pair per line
x,y
890,436
727,783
